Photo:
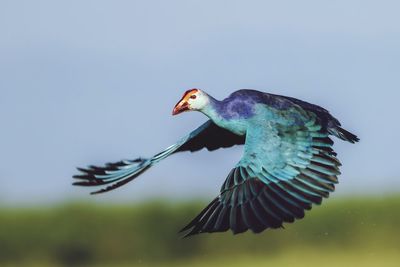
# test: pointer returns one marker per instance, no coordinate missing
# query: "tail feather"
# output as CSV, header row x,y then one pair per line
x,y
343,134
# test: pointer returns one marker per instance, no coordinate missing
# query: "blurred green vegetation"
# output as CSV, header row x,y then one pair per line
x,y
360,231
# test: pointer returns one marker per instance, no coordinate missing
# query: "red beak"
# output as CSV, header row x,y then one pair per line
x,y
180,107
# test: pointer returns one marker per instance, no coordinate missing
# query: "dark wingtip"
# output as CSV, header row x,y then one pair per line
x,y
79,176
187,235
103,190
97,192
78,183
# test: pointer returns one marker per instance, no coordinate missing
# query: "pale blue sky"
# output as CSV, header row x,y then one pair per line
x,y
88,82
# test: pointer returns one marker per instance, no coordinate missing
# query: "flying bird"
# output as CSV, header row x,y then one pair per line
x,y
288,163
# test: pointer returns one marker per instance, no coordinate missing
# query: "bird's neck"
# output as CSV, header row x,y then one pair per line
x,y
216,111
211,110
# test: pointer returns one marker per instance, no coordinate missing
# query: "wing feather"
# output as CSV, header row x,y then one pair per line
x,y
264,191
208,136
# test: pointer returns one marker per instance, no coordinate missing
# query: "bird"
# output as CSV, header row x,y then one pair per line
x,y
288,163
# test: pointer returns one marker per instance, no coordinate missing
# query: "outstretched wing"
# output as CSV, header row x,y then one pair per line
x,y
284,170
208,135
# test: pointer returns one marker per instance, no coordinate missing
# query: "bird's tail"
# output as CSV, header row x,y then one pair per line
x,y
343,134
119,173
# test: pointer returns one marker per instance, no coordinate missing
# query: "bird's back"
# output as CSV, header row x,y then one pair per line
x,y
280,102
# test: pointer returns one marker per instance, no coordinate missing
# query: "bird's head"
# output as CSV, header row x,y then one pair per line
x,y
193,99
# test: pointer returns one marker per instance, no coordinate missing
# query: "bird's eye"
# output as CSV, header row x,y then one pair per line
x,y
193,96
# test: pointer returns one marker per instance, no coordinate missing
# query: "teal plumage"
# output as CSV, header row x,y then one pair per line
x,y
288,162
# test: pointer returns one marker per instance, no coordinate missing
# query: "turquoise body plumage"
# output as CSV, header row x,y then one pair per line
x,y
288,162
